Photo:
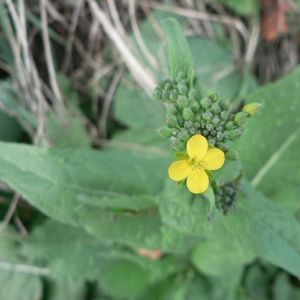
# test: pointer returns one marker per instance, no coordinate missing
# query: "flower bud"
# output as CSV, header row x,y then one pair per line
x,y
212,95
180,121
228,125
232,154
220,136
183,135
178,145
182,89
171,121
220,128
187,114
240,118
205,103
191,75
192,94
183,102
188,124
165,95
212,141
195,106
225,137
157,93
164,131
171,109
205,132
173,96
230,117
235,135
215,109
215,120
161,84
197,118
192,131
223,147
252,108
224,104
207,115
197,125
168,86
224,115
210,127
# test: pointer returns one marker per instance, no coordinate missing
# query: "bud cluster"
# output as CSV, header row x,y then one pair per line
x,y
226,196
210,116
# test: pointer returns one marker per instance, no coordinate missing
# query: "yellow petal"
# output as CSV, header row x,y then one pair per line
x,y
197,146
197,181
213,159
179,170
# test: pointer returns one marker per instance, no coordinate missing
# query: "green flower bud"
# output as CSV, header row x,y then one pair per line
x,y
205,132
212,141
195,106
164,131
190,76
192,131
215,120
232,154
183,135
213,132
178,145
172,110
197,125
235,134
157,93
240,118
180,121
252,108
192,94
224,104
183,102
223,147
224,115
207,115
210,127
197,118
220,128
171,121
228,125
225,137
212,95
205,103
165,95
188,124
182,89
168,86
187,114
173,96
215,109
220,136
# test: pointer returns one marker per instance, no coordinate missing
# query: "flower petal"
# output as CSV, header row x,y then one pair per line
x,y
213,159
197,146
179,170
197,181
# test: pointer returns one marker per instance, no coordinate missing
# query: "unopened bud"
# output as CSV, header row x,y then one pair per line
x,y
224,115
205,103
240,118
252,108
192,94
187,114
220,136
223,147
188,124
168,86
192,131
207,115
171,109
228,125
215,109
173,96
212,95
212,141
210,127
224,104
232,154
215,120
164,131
171,121
235,135
178,145
182,89
195,106
183,102
157,93
183,135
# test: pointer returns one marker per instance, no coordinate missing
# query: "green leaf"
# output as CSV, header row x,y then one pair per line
x,y
241,7
269,147
16,286
180,57
259,226
66,185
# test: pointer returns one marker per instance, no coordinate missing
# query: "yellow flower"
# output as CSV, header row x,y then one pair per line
x,y
195,163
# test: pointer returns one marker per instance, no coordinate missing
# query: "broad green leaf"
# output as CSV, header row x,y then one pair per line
x,y
259,226
269,147
66,184
16,286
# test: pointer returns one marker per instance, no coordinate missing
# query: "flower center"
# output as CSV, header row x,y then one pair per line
x,y
197,164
